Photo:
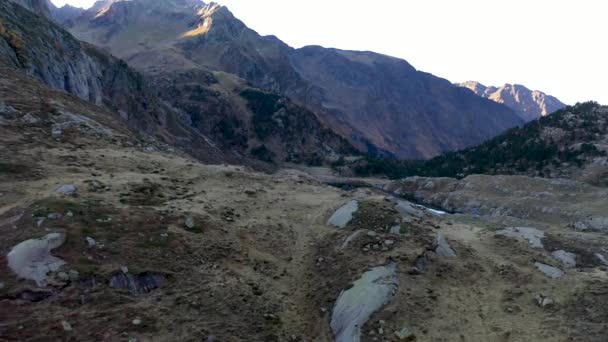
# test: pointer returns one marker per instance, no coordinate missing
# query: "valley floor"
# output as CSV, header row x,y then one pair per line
x,y
162,248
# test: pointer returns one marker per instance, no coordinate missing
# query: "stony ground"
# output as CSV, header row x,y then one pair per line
x,y
221,253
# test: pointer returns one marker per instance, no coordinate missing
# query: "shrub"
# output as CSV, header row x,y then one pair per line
x,y
263,153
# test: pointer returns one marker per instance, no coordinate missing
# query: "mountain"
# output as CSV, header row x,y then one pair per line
x,y
106,238
382,104
530,105
40,7
218,118
65,14
112,231
570,143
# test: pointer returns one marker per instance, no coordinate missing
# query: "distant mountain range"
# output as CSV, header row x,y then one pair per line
x,y
529,104
381,104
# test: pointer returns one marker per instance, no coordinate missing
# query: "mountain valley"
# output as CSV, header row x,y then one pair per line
x,y
223,186
381,104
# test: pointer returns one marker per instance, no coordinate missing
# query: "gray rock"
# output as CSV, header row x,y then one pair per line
x,y
396,230
343,215
595,224
601,258
56,131
420,265
443,248
549,271
54,216
355,306
67,189
532,235
543,301
405,335
406,209
91,242
30,119
567,259
63,276
32,259
189,222
66,326
351,238
73,275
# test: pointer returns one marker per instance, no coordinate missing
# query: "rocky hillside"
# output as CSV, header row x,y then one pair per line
x,y
211,120
381,104
530,105
40,7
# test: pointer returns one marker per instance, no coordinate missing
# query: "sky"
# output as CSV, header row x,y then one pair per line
x,y
556,46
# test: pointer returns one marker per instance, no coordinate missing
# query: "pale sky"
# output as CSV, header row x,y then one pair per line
x,y
557,46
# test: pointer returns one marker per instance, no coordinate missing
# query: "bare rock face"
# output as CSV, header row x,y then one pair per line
x,y
529,104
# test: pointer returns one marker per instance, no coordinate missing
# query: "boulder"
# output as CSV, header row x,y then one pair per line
x,y
549,271
566,258
443,248
532,235
67,189
355,306
32,259
343,215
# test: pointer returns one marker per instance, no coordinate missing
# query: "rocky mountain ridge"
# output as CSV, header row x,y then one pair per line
x,y
382,104
45,51
65,14
529,104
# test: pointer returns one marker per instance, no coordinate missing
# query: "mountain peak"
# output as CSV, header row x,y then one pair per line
x,y
103,6
528,104
218,17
